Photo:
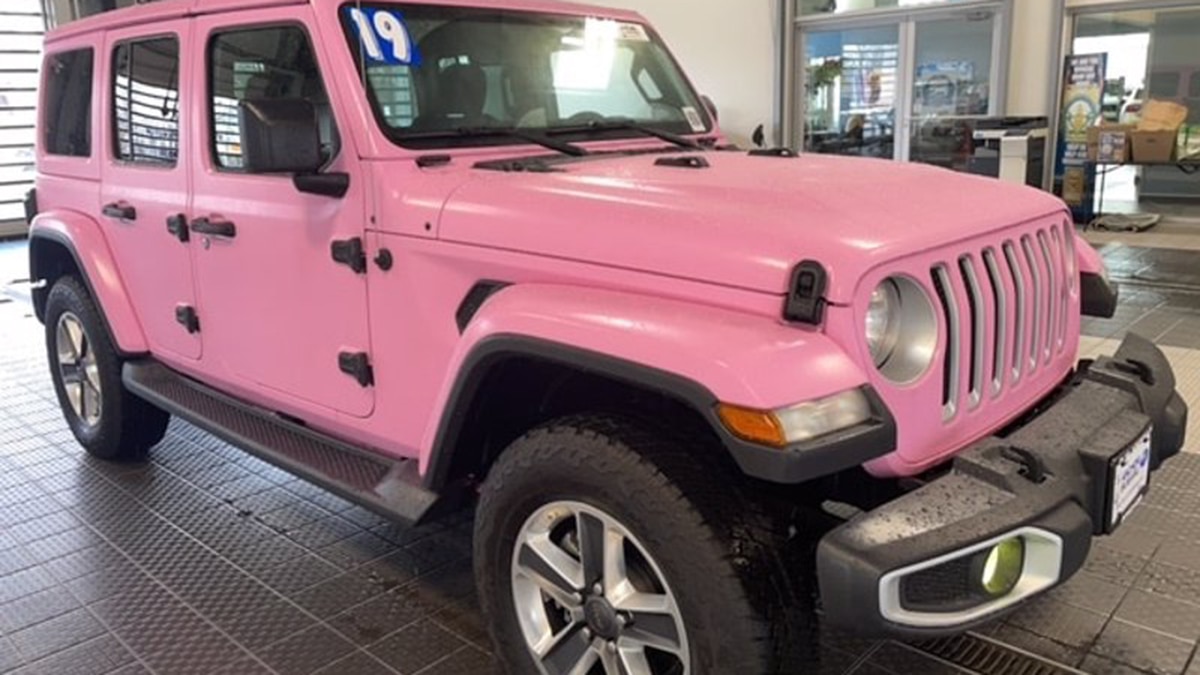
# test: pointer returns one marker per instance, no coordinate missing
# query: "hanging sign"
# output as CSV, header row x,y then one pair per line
x,y
1083,93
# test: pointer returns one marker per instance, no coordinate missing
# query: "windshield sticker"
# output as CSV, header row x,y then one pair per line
x,y
384,37
634,32
693,118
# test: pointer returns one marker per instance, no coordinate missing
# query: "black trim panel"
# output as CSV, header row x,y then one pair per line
x,y
39,294
1099,296
793,464
387,485
990,491
473,301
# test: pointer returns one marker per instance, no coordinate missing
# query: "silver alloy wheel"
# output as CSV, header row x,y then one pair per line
x,y
78,370
588,594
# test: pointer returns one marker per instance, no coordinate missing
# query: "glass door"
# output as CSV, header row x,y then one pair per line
x,y
953,78
850,93
906,88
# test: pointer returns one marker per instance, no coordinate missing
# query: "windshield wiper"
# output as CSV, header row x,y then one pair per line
x,y
621,124
507,132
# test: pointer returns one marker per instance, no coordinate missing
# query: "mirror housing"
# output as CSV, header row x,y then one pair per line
x,y
280,136
712,108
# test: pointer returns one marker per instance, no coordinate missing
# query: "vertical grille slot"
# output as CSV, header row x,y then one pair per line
x,y
1035,327
1060,248
953,355
1019,332
1000,346
1052,282
978,325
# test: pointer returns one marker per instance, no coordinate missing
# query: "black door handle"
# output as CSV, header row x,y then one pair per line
x,y
177,225
120,211
214,228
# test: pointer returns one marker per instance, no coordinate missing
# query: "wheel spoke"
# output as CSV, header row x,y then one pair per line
x,y
633,662
592,547
90,401
90,371
652,622
75,396
611,662
552,569
64,345
78,339
571,655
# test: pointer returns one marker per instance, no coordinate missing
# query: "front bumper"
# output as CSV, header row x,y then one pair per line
x,y
1046,483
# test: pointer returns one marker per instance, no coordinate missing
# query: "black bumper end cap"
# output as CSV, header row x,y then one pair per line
x,y
1099,296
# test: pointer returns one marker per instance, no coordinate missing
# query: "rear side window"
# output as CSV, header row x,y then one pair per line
x,y
67,103
268,63
146,101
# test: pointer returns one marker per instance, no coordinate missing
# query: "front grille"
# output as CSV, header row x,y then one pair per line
x,y
1006,308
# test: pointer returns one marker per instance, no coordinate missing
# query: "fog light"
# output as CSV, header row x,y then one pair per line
x,y
1002,567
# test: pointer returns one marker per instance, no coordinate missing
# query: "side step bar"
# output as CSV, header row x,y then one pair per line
x,y
389,486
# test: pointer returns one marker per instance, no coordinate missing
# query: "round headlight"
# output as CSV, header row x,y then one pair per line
x,y
901,329
882,321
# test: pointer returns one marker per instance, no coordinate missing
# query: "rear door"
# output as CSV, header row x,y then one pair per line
x,y
279,314
144,192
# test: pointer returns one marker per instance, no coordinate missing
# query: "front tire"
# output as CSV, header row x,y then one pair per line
x,y
108,421
601,547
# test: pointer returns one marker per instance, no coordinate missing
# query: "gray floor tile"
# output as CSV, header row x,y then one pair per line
x,y
1143,648
1162,614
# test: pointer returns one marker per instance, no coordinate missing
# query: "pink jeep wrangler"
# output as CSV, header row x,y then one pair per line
x,y
432,252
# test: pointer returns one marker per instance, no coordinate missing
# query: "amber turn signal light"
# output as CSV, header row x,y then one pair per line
x,y
756,426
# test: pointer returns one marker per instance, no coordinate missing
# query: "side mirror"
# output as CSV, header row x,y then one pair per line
x,y
712,108
280,136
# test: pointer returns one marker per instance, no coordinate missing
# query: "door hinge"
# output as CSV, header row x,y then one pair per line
x,y
358,366
186,316
350,252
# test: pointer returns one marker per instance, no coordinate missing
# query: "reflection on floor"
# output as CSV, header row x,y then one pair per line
x,y
208,560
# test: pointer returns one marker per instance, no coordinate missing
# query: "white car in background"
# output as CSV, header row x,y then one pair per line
x,y
1131,111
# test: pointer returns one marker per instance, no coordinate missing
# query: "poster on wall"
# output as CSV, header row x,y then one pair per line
x,y
1082,107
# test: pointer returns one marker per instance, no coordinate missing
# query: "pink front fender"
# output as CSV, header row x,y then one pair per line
x,y
744,359
83,239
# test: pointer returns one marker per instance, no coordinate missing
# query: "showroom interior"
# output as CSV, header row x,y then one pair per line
x,y
204,558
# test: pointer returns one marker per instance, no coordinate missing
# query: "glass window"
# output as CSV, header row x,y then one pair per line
x,y
441,75
810,7
146,101
852,80
67,104
263,63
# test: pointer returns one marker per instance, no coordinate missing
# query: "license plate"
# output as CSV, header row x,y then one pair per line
x,y
1130,478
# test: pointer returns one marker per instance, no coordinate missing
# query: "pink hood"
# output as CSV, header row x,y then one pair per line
x,y
744,221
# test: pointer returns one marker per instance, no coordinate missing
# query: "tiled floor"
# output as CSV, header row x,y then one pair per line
x,y
207,560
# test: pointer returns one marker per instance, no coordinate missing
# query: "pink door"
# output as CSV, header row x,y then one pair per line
x,y
145,179
279,314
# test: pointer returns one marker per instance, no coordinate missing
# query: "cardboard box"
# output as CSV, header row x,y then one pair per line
x,y
1154,147
1116,147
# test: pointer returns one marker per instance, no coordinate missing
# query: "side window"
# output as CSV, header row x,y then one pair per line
x,y
67,104
146,101
263,63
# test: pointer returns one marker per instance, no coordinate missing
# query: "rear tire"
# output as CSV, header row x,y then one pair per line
x,y
108,421
720,556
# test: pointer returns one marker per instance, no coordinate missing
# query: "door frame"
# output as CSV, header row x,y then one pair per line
x,y
794,73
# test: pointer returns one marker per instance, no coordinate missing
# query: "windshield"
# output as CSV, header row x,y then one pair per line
x,y
442,76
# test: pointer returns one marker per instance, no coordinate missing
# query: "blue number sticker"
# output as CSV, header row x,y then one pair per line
x,y
383,36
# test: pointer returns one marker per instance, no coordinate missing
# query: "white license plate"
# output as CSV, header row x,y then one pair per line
x,y
1130,476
